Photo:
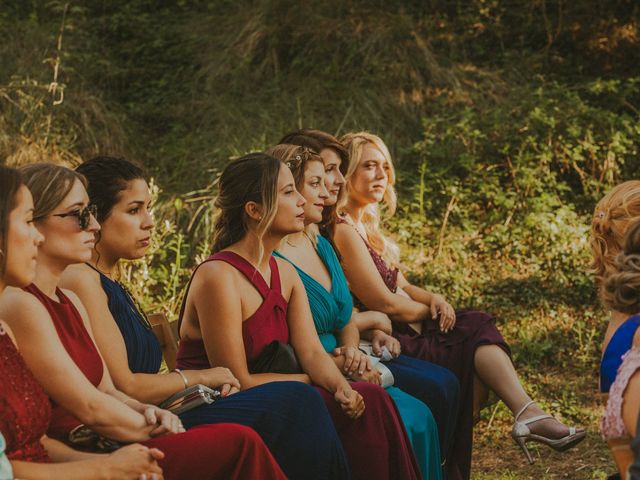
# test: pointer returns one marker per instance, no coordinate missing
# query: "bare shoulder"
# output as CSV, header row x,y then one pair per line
x,y
214,272
288,276
15,300
346,234
81,279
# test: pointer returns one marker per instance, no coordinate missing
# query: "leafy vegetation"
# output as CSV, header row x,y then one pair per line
x,y
507,121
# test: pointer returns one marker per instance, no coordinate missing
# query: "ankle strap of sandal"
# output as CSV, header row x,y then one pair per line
x,y
521,411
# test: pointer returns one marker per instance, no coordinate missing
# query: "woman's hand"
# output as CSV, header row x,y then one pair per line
x,y
439,306
133,462
354,360
218,377
165,421
380,339
350,401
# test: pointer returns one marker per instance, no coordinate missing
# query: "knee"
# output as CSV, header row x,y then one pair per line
x,y
236,434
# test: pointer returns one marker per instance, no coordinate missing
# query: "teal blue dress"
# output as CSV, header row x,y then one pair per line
x,y
331,312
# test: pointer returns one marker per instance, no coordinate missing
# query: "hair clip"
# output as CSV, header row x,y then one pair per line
x,y
298,157
601,214
289,164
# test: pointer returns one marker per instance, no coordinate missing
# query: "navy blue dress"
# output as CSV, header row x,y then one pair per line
x,y
290,417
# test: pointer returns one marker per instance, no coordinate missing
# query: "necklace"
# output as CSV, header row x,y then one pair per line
x,y
304,235
133,305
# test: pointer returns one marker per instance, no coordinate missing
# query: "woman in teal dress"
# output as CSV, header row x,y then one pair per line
x,y
332,308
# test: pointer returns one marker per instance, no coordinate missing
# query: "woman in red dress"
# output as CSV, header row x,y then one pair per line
x,y
241,299
55,339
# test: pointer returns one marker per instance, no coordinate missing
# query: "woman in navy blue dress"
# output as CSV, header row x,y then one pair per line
x,y
290,417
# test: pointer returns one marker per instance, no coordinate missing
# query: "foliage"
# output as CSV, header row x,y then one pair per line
x,y
507,121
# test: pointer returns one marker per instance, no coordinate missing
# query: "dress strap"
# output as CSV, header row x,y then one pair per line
x,y
251,272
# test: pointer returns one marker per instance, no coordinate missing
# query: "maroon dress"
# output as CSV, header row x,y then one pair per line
x,y
24,407
206,452
376,444
454,350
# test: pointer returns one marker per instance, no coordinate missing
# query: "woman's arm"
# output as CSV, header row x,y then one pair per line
x,y
149,388
365,281
56,372
215,295
130,462
371,320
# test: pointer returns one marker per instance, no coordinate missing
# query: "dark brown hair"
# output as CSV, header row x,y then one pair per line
x,y
107,177
10,183
252,178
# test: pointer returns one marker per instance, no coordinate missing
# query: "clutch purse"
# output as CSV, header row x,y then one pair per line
x,y
277,357
83,438
190,398
386,377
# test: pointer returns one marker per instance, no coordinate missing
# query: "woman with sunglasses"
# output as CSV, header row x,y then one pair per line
x,y
241,301
55,336
289,416
25,451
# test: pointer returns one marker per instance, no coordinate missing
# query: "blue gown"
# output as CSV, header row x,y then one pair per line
x,y
290,417
432,385
620,343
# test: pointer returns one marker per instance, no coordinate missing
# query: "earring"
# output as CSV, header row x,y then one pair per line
x,y
1,252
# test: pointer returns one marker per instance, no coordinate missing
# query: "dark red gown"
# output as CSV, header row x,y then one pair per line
x,y
221,451
454,350
376,444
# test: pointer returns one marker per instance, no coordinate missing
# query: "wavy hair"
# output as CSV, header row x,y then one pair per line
x,y
621,288
355,144
613,215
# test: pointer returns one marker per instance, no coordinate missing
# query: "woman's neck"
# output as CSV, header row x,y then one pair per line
x,y
249,248
48,273
354,210
103,263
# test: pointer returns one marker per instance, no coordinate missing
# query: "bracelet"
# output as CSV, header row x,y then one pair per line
x,y
184,377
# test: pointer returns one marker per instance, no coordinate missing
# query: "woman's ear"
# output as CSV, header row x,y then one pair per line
x,y
253,211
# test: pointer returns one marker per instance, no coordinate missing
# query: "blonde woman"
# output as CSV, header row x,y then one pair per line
x,y
466,342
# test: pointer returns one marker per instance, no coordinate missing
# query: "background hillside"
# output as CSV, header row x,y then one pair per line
x,y
507,120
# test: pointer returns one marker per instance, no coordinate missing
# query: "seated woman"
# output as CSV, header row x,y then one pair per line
x,y
55,338
331,305
24,407
613,215
289,416
466,342
241,299
614,218
437,387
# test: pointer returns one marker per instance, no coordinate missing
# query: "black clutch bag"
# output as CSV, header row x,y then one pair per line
x,y
277,357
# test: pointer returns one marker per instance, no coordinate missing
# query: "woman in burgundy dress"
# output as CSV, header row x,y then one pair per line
x,y
55,339
241,299
466,342
25,411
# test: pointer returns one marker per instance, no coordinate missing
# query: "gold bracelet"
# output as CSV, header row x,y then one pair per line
x,y
184,377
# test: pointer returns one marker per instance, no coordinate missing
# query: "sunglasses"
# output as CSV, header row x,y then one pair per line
x,y
83,214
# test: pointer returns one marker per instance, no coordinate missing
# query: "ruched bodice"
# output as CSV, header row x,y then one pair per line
x,y
331,310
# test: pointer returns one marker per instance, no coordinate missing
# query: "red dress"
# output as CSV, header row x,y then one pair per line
x,y
24,407
376,444
207,452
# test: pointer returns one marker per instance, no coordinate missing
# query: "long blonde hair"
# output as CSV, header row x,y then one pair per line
x,y
355,144
612,217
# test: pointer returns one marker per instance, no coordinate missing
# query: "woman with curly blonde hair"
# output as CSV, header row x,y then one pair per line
x,y
466,342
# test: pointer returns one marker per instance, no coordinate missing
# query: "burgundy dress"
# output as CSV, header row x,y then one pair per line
x,y
24,407
206,452
376,444
454,350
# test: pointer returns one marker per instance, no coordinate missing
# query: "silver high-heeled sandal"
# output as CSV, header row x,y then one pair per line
x,y
522,434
